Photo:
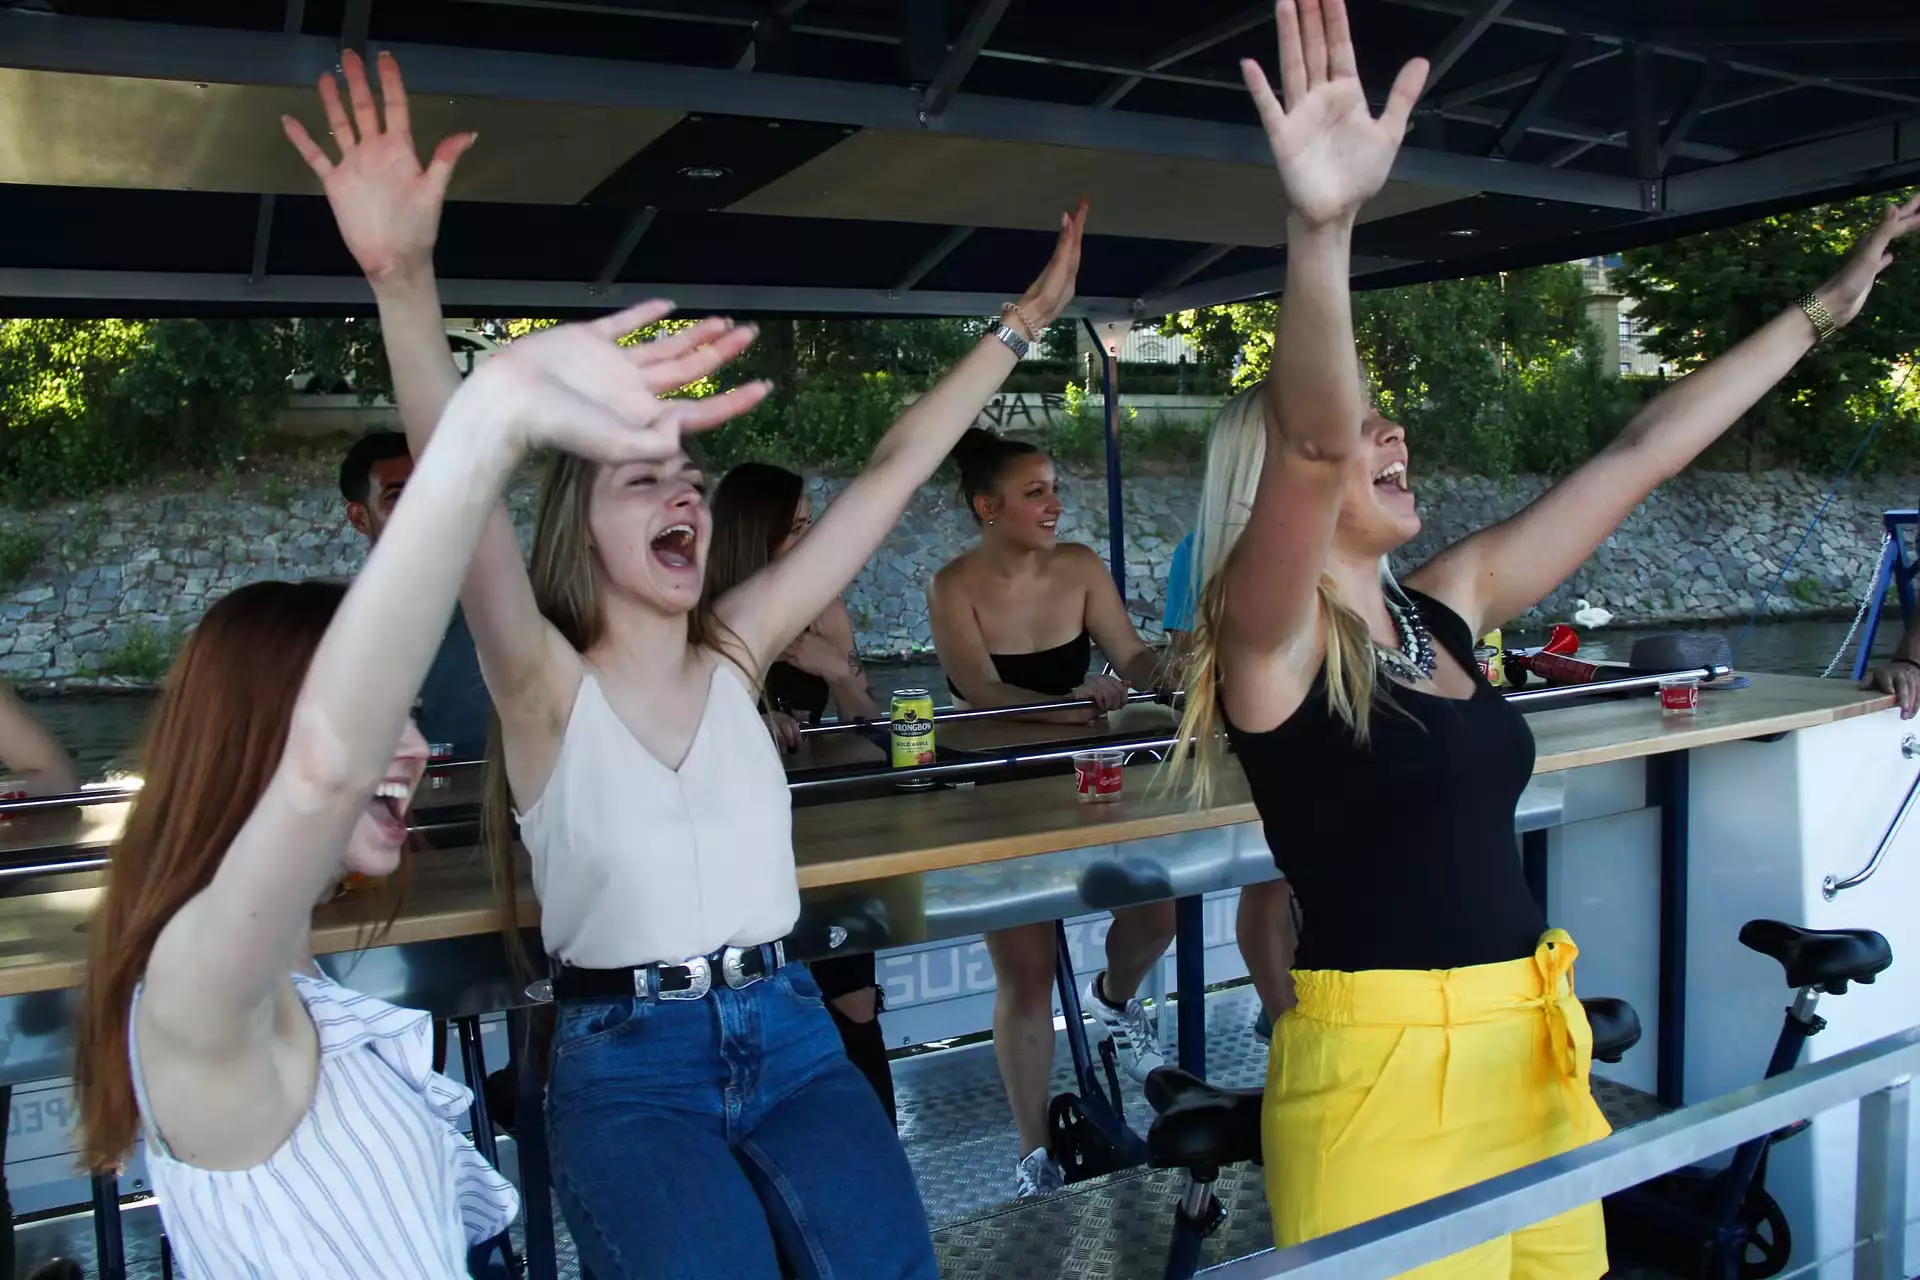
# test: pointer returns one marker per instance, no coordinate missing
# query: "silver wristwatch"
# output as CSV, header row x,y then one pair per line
x,y
1011,336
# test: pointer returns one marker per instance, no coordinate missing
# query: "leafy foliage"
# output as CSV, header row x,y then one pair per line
x,y
1699,296
86,404
1495,375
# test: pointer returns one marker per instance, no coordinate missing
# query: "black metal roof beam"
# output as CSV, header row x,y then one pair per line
x,y
1543,90
1643,125
1887,152
1522,78
1598,135
1472,26
1538,17
234,56
1190,268
292,20
537,296
353,25
1180,50
1260,282
973,38
1876,32
622,252
1689,115
924,265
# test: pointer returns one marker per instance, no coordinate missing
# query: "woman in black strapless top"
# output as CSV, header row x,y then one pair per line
x,y
1436,1041
999,613
759,512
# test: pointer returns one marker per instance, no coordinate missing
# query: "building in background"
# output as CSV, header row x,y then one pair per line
x,y
1612,314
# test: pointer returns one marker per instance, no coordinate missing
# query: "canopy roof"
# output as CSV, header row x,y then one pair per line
x,y
903,156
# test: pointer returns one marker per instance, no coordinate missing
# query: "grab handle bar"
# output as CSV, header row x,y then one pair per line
x,y
1830,887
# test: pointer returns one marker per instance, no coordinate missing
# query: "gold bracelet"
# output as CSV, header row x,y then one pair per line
x,y
1816,311
1013,309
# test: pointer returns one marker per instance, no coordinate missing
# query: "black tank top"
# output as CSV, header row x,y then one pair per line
x,y
800,694
1055,672
1402,850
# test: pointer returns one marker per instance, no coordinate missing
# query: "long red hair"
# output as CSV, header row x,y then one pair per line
x,y
214,742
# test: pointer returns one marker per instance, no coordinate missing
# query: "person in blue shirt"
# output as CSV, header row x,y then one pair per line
x,y
1264,926
454,708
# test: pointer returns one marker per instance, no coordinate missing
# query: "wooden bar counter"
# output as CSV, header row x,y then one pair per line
x,y
42,934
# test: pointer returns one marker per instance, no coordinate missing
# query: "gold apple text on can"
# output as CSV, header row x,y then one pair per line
x,y
911,732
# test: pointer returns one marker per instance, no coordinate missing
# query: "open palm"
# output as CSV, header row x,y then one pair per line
x,y
575,388
1333,154
386,203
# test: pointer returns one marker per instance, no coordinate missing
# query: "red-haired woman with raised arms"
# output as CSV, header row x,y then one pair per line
x,y
704,1119
294,1127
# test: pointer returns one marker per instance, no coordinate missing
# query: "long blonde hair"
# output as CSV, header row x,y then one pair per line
x,y
566,585
1236,452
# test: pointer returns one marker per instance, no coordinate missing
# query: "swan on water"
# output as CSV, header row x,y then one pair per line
x,y
1590,615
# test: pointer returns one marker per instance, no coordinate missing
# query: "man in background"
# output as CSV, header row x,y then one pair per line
x,y
454,708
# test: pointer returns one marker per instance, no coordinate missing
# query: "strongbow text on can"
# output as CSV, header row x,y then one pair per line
x,y
912,732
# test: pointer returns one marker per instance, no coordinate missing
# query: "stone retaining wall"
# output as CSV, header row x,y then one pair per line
x,y
117,580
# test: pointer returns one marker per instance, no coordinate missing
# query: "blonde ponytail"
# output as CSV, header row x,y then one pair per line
x,y
1348,666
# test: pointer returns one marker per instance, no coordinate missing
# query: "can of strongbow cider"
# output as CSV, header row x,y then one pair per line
x,y
1492,658
912,733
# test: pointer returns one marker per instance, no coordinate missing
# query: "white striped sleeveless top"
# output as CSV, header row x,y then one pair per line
x,y
375,1183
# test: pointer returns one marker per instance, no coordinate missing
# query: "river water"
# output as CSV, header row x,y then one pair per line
x,y
103,731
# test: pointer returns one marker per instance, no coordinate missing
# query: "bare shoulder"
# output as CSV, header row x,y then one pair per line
x,y
834,621
1078,562
953,578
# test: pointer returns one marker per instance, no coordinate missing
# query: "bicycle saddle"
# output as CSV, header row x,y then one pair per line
x,y
1200,1125
1823,958
1616,1027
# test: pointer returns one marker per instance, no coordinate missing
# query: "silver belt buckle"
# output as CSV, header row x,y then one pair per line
x,y
731,969
541,992
698,967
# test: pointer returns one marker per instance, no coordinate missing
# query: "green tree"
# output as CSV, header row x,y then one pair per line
x,y
1495,374
87,404
1697,297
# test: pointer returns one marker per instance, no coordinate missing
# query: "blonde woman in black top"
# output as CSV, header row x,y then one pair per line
x,y
1436,1041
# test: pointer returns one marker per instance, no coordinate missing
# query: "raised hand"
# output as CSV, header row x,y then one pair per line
x,y
575,388
1847,292
1332,152
1049,295
387,206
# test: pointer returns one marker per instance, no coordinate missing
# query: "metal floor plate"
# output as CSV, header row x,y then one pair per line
x,y
961,1141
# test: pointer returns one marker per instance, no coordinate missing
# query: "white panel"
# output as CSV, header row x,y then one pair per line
x,y
1603,887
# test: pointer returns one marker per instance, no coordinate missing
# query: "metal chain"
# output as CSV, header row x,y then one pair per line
x,y
1866,602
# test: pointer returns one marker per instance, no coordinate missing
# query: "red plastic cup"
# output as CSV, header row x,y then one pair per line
x,y
1680,696
1098,776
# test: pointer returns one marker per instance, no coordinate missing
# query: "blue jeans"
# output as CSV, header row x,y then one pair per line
x,y
693,1138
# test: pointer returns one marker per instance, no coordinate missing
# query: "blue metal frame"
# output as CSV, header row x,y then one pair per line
x,y
1898,569
1667,785
1116,508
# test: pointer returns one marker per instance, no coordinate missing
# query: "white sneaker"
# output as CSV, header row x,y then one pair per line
x,y
1038,1175
1135,1034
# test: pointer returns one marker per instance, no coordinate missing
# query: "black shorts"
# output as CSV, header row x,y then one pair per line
x,y
843,975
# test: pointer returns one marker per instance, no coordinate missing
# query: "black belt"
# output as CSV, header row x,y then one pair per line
x,y
689,980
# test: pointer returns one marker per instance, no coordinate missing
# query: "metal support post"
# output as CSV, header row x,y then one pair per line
x,y
1667,783
1107,337
1190,958
1880,1187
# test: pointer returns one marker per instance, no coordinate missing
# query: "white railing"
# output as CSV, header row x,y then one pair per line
x,y
1878,1075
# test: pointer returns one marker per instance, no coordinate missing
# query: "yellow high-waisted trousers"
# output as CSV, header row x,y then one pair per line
x,y
1393,1086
